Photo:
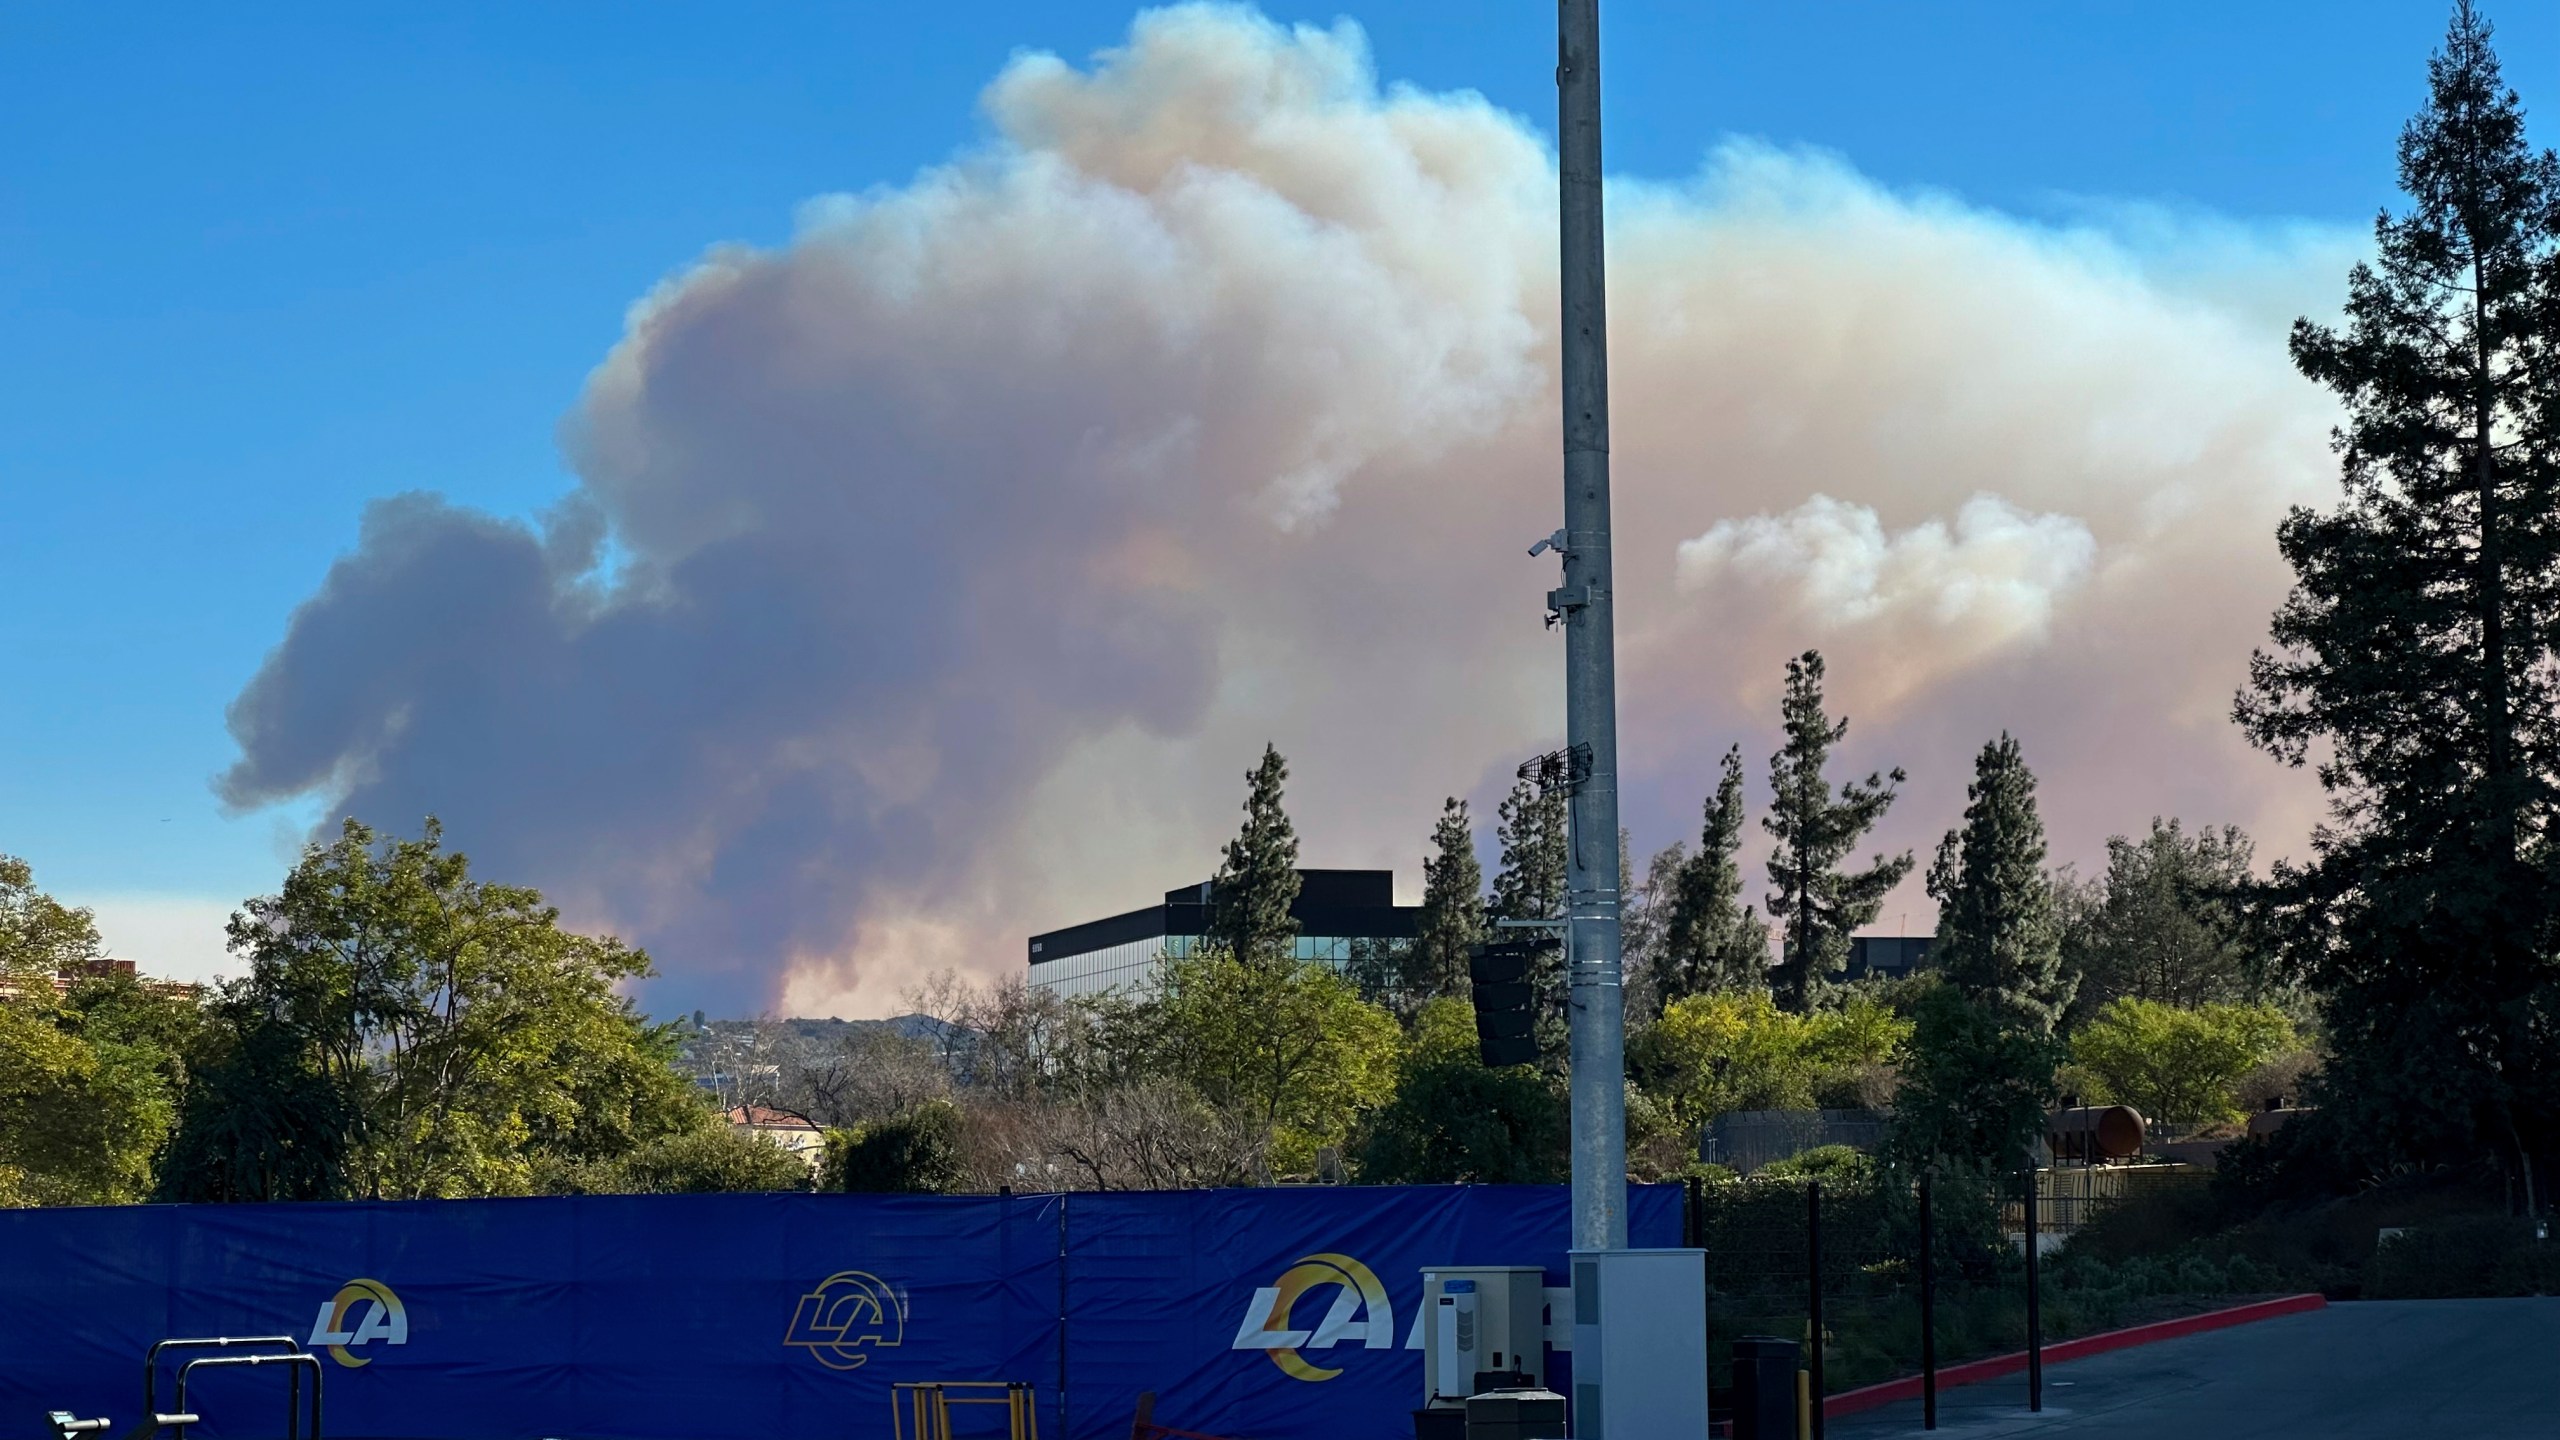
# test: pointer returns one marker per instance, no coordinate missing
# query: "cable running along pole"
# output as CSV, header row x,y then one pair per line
x,y
1597,1003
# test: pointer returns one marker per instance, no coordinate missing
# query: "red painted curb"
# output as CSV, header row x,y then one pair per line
x,y
1850,1402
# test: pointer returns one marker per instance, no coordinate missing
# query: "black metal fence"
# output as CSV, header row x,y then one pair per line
x,y
1860,1260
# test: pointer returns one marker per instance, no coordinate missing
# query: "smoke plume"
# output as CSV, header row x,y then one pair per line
x,y
934,578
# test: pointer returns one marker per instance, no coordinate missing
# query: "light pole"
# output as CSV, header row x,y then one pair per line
x,y
1583,604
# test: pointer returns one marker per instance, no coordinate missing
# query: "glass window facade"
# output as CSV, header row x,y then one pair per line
x,y
1131,966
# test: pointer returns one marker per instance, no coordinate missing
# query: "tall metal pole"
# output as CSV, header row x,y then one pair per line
x,y
1583,603
1928,1307
2035,1302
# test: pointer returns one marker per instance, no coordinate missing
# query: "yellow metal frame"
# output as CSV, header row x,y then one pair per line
x,y
928,1403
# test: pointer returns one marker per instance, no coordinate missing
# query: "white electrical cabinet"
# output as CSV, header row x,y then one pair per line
x,y
1480,1317
1639,1344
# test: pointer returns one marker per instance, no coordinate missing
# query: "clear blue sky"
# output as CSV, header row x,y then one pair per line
x,y
259,264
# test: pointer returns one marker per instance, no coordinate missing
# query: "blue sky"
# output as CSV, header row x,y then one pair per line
x,y
257,268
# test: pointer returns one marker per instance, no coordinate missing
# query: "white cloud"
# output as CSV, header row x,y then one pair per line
x,y
1990,580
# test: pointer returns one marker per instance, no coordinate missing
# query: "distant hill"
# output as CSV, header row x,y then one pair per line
x,y
752,1056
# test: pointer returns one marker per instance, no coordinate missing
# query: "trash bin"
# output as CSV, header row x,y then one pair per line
x,y
1764,1387
1515,1415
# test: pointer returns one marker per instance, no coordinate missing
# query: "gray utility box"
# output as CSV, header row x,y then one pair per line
x,y
1478,1318
1639,1344
1516,1415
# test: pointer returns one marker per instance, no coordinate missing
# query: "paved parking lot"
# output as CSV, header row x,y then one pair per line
x,y
2474,1369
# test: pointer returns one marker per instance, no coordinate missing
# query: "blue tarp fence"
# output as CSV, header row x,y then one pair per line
x,y
1266,1314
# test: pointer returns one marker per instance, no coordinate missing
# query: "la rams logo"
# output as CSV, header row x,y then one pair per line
x,y
848,1311
377,1313
1359,1311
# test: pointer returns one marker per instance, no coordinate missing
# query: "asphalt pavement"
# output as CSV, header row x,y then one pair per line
x,y
2474,1369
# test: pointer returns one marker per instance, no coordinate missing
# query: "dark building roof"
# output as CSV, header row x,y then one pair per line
x,y
1346,904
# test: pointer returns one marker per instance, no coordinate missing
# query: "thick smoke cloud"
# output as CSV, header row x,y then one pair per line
x,y
934,578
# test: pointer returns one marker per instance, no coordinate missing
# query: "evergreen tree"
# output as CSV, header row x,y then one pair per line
x,y
1815,903
1975,1088
1452,919
1997,936
1644,923
1711,939
2165,924
1257,881
2414,656
1531,886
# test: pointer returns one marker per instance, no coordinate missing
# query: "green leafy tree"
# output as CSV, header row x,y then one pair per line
x,y
2178,1066
40,937
1712,940
2413,659
87,1085
1726,1050
464,1032
1998,939
1531,886
1257,882
79,1122
1975,1085
1452,1121
261,1118
917,1152
1817,904
2167,922
1290,1051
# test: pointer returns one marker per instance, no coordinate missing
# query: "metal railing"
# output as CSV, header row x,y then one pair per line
x,y
281,1350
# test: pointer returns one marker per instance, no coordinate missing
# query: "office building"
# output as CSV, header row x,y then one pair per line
x,y
1335,910
1892,956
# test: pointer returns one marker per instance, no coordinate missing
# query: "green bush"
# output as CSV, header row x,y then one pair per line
x,y
2529,1269
914,1153
2463,1255
715,1159
1452,1121
2149,1220
1842,1164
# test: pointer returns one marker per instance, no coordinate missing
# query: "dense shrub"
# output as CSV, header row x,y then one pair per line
x,y
2149,1220
914,1153
716,1158
1831,1164
2461,1255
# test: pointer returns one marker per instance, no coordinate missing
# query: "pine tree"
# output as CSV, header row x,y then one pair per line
x,y
2414,656
1531,886
1998,940
1452,919
1815,903
1711,939
1644,909
2165,923
1257,882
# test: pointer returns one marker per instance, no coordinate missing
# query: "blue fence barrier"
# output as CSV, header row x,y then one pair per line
x,y
1267,1314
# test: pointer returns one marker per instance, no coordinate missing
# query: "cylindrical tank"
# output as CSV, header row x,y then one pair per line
x,y
2094,1132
